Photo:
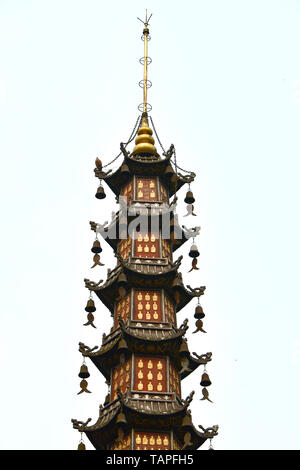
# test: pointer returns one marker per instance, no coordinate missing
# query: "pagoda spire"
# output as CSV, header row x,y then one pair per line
x,y
144,143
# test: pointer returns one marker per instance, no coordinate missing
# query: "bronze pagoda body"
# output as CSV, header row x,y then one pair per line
x,y
145,356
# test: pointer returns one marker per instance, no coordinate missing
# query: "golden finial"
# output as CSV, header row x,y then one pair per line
x,y
144,143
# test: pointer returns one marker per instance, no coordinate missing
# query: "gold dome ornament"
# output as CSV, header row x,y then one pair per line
x,y
144,142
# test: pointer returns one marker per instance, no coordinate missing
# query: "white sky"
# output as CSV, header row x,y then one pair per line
x,y
226,91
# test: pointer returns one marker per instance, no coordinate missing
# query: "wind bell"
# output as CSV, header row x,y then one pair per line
x,y
96,248
83,374
90,308
199,314
194,253
205,382
81,445
189,200
100,194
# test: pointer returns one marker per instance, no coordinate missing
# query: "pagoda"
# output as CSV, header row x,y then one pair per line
x,y
145,356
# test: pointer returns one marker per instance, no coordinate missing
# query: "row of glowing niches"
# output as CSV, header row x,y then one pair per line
x,y
145,189
150,306
146,375
147,440
146,245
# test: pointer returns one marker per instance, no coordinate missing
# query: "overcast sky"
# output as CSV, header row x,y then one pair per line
x,y
226,92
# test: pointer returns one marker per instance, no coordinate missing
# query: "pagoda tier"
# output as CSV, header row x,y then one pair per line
x,y
121,241
133,339
140,422
151,168
143,275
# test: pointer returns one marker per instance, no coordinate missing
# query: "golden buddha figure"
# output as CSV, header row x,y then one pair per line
x,y
140,386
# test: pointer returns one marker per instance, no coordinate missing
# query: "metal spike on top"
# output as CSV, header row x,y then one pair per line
x,y
145,61
144,142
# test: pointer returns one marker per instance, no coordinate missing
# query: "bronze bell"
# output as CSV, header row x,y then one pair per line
x,y
169,172
96,248
176,283
90,306
122,280
187,421
121,419
125,170
194,253
184,350
81,446
100,194
189,198
205,380
199,312
84,372
122,345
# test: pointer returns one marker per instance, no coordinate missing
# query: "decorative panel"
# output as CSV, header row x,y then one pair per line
x,y
169,311
127,191
146,189
147,305
152,440
120,378
163,193
147,246
125,248
125,444
166,249
122,308
174,380
150,374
